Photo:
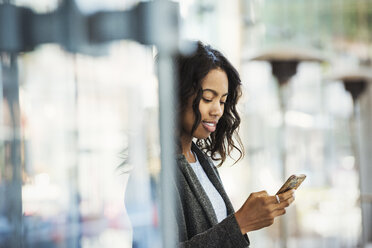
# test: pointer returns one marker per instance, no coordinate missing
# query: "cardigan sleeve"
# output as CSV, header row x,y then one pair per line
x,y
223,235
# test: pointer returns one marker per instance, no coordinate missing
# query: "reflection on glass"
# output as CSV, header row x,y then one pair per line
x,y
318,144
78,114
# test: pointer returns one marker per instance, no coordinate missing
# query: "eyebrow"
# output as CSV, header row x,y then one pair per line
x,y
214,92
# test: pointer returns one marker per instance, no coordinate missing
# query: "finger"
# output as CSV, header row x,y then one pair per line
x,y
273,200
290,200
279,212
275,214
283,204
286,195
267,223
287,202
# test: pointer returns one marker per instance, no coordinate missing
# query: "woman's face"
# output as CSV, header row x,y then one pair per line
x,y
215,87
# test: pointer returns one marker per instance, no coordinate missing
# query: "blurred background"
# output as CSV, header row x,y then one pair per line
x,y
88,136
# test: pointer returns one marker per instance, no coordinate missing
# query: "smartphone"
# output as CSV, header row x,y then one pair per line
x,y
293,182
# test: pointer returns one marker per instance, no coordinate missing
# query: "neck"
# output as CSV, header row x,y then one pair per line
x,y
186,148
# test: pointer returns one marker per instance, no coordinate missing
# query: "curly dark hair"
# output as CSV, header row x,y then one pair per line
x,y
192,70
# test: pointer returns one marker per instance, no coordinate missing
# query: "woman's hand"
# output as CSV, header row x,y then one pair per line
x,y
260,210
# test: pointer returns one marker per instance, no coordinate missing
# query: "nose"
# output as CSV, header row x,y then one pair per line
x,y
217,109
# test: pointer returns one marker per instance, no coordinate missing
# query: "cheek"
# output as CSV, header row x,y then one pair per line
x,y
188,120
203,109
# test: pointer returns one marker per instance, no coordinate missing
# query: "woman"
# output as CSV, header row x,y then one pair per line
x,y
209,90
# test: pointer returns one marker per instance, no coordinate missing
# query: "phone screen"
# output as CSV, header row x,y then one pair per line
x,y
293,182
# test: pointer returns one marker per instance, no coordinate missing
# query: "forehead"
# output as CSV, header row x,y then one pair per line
x,y
216,80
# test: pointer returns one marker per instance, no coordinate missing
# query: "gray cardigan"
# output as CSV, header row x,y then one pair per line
x,y
197,221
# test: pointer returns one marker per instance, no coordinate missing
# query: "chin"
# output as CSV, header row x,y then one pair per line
x,y
202,135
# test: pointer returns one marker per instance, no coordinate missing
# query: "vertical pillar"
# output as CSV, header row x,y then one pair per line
x,y
365,151
11,132
165,35
168,120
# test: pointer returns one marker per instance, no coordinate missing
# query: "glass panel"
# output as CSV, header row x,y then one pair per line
x,y
80,116
318,136
88,133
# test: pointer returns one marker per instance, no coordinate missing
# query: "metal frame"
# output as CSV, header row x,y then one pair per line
x,y
150,23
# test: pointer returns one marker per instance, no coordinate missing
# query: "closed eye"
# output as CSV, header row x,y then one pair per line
x,y
206,100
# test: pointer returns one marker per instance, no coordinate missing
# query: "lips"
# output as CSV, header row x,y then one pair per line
x,y
210,126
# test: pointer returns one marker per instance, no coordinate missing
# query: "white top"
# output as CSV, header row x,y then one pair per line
x,y
212,193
